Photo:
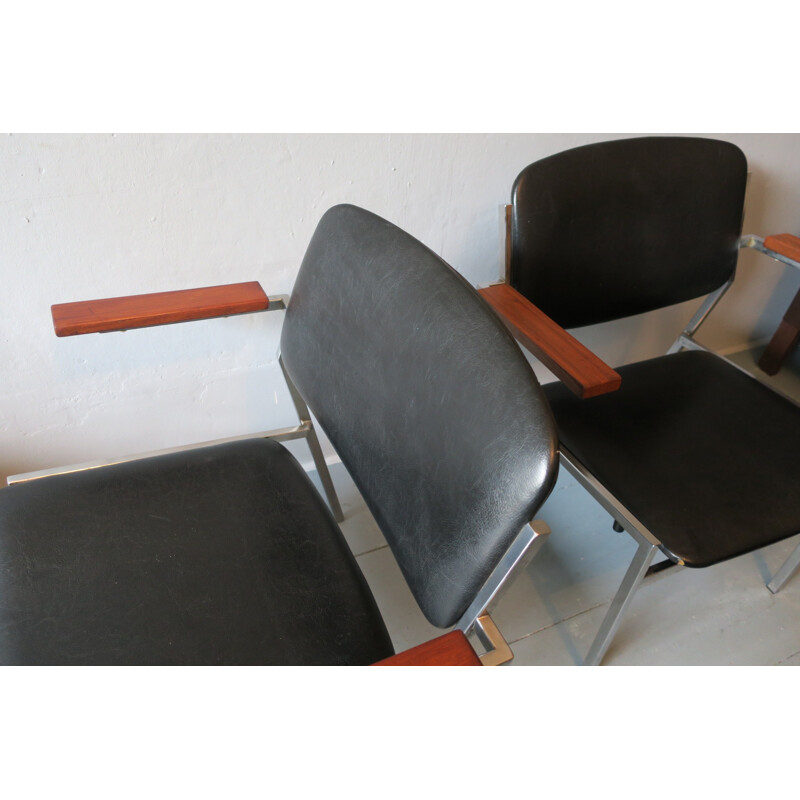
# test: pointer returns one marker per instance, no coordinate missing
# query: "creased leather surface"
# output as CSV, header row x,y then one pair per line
x,y
427,399
702,454
617,228
221,555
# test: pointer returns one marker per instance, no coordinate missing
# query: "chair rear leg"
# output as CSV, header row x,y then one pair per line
x,y
786,571
314,446
324,475
633,577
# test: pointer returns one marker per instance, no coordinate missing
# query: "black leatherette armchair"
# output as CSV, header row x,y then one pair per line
x,y
226,554
690,455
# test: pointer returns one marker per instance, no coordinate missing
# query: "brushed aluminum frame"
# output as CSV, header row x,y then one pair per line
x,y
685,340
622,599
279,434
305,430
757,243
785,571
522,549
497,648
607,500
313,445
647,543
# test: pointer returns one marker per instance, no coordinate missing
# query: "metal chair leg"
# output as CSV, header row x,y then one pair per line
x,y
324,475
314,446
633,577
786,571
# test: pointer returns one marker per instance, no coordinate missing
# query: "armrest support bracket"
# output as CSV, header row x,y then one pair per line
x,y
783,247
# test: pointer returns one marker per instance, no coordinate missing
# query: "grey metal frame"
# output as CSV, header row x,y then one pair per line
x,y
497,648
476,618
686,340
785,571
305,430
314,446
757,243
789,567
622,599
647,542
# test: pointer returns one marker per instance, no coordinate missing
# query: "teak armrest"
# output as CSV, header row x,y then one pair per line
x,y
451,649
580,369
160,308
784,244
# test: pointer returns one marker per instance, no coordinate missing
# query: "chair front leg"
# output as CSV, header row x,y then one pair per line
x,y
633,577
786,571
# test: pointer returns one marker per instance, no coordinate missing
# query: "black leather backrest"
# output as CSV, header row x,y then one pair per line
x,y
617,228
427,399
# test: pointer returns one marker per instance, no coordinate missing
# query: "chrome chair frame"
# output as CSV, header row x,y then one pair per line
x,y
304,430
476,621
641,564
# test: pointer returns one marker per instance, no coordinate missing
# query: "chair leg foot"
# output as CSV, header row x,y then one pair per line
x,y
633,577
787,569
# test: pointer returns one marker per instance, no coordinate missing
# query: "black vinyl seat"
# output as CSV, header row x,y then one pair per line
x,y
220,555
227,555
684,429
690,455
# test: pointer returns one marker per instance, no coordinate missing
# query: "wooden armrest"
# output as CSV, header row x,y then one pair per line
x,y
784,244
580,369
160,308
452,649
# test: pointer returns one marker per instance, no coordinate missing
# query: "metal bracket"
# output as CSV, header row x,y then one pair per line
x,y
497,648
521,551
300,431
757,243
686,339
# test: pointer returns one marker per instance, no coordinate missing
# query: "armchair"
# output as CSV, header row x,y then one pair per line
x,y
691,456
226,554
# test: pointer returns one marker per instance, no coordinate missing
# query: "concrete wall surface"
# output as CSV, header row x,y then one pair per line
x,y
103,215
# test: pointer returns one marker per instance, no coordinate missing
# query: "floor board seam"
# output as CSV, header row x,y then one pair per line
x,y
554,624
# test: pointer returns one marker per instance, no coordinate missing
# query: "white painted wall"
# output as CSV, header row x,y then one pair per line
x,y
88,216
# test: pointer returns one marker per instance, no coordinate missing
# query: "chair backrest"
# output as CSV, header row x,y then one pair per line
x,y
622,227
429,402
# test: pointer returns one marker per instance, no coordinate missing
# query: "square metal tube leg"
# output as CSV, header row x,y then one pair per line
x,y
314,446
786,571
633,577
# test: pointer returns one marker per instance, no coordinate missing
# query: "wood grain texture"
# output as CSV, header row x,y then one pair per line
x,y
452,649
160,308
784,243
580,369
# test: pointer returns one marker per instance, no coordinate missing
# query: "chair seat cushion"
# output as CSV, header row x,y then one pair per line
x,y
706,457
219,555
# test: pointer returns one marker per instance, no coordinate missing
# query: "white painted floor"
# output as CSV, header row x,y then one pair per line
x,y
722,615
